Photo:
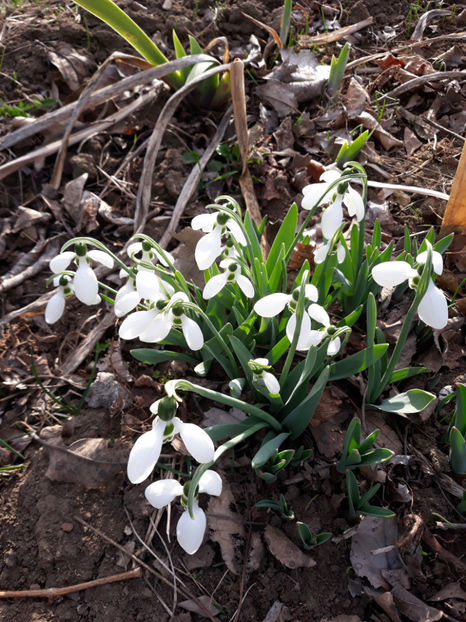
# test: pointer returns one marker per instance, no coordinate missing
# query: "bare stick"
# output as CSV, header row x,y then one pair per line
x,y
145,182
336,35
102,95
52,593
415,82
193,180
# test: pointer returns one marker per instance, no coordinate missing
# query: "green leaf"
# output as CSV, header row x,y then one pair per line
x,y
207,88
299,418
337,73
442,245
350,152
376,456
412,401
244,356
407,372
374,510
285,236
268,449
459,418
355,363
457,452
152,357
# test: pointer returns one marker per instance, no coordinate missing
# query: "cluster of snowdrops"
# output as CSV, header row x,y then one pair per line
x,y
281,343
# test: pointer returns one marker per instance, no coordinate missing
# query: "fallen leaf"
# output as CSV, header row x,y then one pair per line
x,y
413,608
386,602
278,612
374,534
452,590
285,551
191,605
389,61
387,140
356,99
72,197
72,64
226,527
90,462
326,423
411,141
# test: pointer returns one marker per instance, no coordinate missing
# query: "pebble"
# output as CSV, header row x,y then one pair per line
x,y
67,527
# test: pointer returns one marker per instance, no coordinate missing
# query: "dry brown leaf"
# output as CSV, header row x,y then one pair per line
x,y
326,423
278,612
285,551
374,534
387,437
72,64
411,141
413,608
73,195
387,140
191,605
356,99
386,602
90,462
226,527
452,590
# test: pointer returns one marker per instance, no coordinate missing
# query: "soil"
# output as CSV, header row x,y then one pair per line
x,y
49,514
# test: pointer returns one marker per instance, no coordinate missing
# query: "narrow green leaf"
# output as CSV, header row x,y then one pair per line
x,y
457,452
355,363
268,449
299,418
152,357
374,510
407,372
285,235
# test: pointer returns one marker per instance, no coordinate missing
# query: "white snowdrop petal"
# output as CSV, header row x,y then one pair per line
x,y
214,286
313,193
162,259
126,303
157,329
85,284
331,175
179,297
61,262
208,249
262,361
124,289
437,260
245,285
135,324
197,441
316,337
204,222
311,292
236,231
321,253
211,483
332,218
101,257
190,531
192,333
334,346
154,407
319,314
341,253
271,305
272,384
147,283
55,307
392,273
433,308
133,248
353,201
303,339
145,453
161,493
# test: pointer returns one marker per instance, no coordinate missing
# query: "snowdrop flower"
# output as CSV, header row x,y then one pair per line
x,y
343,193
127,298
259,369
146,451
85,284
56,305
273,304
189,530
148,283
433,308
154,324
320,315
216,225
321,253
232,274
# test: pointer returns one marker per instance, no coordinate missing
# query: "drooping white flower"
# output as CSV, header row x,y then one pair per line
x,y
127,298
146,451
433,308
189,530
85,284
154,324
321,253
342,192
320,315
259,368
215,225
56,305
273,304
231,274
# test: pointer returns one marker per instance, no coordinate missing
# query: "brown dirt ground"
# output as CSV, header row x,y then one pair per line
x,y
42,544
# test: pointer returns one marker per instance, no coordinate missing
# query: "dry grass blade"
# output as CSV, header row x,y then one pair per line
x,y
336,35
238,97
272,32
145,183
102,95
425,19
193,179
42,152
420,80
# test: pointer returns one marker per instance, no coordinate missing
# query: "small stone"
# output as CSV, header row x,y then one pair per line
x,y
34,586
67,527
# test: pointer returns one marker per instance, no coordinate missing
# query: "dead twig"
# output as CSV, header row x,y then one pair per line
x,y
336,35
37,265
145,182
102,95
52,593
193,179
443,554
420,80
